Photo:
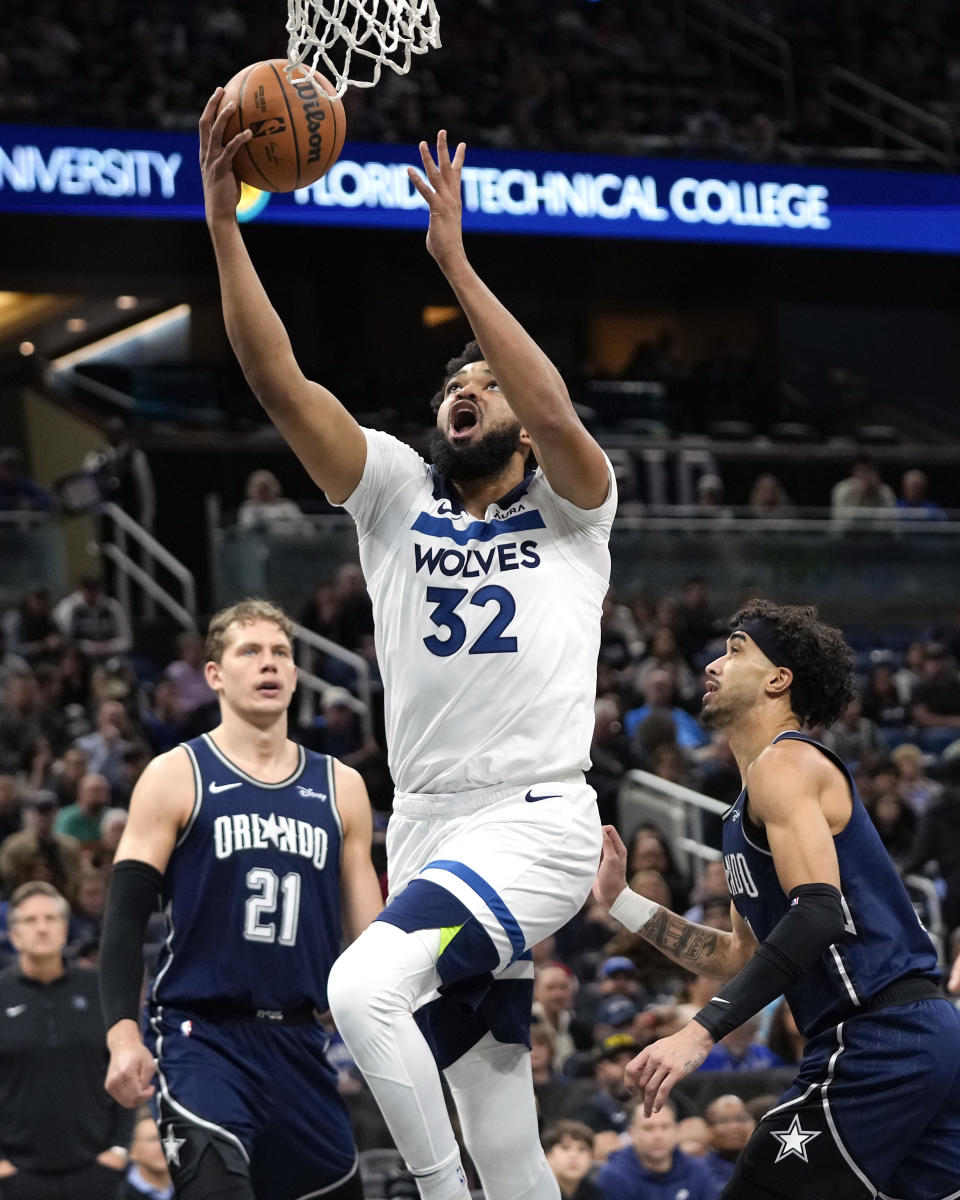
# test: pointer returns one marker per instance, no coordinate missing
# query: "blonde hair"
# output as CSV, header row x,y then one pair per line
x,y
244,612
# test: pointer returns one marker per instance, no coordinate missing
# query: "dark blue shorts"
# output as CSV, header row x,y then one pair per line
x,y
874,1111
268,1089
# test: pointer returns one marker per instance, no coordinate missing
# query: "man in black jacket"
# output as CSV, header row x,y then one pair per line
x,y
61,1135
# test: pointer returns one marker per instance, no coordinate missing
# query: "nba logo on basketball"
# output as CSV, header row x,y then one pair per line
x,y
270,126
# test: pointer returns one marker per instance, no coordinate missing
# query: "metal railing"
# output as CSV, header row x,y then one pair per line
x,y
932,916
117,551
307,643
872,106
737,36
116,548
677,811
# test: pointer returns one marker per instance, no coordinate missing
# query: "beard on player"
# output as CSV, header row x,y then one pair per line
x,y
721,711
485,458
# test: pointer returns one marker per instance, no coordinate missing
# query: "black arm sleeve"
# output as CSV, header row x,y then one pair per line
x,y
134,895
813,922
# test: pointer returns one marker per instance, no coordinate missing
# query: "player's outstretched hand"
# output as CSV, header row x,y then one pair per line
x,y
657,1068
612,875
221,188
129,1073
441,190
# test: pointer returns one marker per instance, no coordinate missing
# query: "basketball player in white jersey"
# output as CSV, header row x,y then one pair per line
x,y
487,578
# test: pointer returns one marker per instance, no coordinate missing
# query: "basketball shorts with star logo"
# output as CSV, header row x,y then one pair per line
x,y
263,1095
873,1112
493,871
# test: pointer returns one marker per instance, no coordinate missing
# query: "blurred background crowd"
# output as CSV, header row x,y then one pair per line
x,y
725,406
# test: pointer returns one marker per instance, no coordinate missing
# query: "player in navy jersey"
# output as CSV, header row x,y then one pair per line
x,y
487,576
820,915
260,853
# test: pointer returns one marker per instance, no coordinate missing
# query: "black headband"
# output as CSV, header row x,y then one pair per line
x,y
768,639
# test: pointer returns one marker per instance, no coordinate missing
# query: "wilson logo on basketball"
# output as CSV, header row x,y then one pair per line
x,y
270,127
314,116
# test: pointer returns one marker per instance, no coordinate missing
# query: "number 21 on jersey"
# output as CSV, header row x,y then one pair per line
x,y
269,892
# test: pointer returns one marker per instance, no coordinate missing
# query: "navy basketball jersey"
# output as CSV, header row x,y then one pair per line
x,y
883,939
252,889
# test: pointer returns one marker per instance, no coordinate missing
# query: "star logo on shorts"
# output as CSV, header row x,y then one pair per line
x,y
171,1146
793,1140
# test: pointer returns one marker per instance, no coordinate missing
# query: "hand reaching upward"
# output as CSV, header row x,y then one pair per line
x,y
221,187
442,193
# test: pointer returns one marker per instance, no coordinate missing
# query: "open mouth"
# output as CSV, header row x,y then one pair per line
x,y
270,688
464,418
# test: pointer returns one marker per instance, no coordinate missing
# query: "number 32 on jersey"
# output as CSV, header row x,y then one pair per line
x,y
492,639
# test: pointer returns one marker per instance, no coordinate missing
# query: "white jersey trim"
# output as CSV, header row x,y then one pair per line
x,y
835,1133
197,796
260,783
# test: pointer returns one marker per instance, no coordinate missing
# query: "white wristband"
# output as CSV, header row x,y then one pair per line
x,y
632,910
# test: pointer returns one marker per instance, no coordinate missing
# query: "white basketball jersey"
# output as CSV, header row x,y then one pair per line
x,y
487,632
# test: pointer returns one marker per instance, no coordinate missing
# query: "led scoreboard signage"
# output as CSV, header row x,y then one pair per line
x,y
152,175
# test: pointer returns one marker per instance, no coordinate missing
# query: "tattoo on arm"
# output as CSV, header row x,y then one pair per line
x,y
693,1063
696,947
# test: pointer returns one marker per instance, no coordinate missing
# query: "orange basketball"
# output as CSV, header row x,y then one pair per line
x,y
298,125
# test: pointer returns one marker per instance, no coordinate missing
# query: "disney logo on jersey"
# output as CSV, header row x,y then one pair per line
x,y
234,833
475,562
309,793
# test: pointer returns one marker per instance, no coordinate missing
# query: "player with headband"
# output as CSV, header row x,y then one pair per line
x,y
819,915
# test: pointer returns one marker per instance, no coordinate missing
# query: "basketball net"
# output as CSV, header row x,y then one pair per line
x,y
364,35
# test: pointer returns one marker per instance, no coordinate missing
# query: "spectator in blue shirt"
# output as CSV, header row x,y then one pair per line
x,y
651,1167
912,502
741,1051
658,697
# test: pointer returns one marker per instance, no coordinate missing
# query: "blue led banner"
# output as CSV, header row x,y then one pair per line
x,y
147,175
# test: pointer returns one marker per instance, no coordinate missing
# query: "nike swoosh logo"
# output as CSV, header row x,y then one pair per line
x,y
718,1000
532,799
444,509
222,787
16,1009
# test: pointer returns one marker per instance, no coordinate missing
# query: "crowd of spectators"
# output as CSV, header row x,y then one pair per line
x,y
615,77
81,714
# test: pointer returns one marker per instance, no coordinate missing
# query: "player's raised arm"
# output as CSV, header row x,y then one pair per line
x,y
570,458
359,886
694,947
316,426
159,807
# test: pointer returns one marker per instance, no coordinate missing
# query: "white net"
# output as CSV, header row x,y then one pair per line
x,y
350,41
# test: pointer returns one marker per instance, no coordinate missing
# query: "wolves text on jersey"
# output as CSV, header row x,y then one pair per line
x,y
476,561
236,832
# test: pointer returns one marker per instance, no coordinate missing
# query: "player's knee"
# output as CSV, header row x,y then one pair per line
x,y
353,989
